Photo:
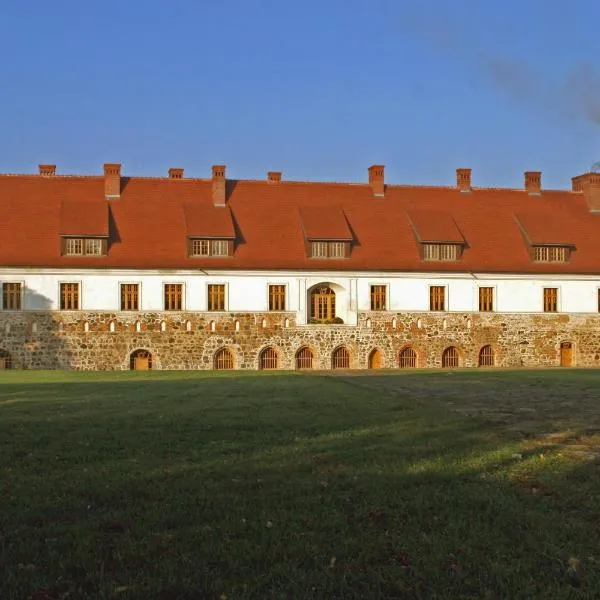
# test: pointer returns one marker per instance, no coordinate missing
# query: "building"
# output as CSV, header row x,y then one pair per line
x,y
117,272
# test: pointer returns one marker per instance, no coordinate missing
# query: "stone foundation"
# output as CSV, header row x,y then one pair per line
x,y
105,341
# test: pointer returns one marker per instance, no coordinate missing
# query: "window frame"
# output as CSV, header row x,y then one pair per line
x,y
549,248
225,297
120,296
210,242
285,297
385,287
428,247
84,239
79,295
546,307
493,298
182,296
21,285
444,289
328,245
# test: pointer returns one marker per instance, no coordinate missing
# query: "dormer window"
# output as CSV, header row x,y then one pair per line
x,y
551,254
73,246
202,247
329,249
442,251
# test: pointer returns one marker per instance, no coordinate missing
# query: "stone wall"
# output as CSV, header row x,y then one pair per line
x,y
105,341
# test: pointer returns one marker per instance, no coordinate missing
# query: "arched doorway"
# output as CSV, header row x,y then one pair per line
x,y
5,360
140,360
450,357
322,304
566,354
486,357
340,359
376,359
304,358
407,358
268,359
223,360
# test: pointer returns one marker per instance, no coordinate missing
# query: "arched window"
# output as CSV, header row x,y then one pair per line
x,y
140,360
268,359
375,359
486,357
450,357
304,358
223,360
407,359
340,359
322,304
5,360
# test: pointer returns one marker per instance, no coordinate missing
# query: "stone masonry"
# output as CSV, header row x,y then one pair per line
x,y
180,340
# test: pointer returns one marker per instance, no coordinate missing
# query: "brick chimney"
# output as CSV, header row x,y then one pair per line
x,y
463,180
47,170
377,180
175,173
533,182
274,176
112,180
218,185
589,184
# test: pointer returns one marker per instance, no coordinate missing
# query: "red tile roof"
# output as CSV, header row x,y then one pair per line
x,y
149,227
207,221
84,218
324,223
435,226
547,230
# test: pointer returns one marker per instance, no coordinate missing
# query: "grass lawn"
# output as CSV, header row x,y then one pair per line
x,y
167,485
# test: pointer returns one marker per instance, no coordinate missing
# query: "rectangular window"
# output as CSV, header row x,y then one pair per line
x,y
550,299
69,296
173,296
441,251
210,247
216,296
84,246
378,297
486,299
11,296
277,297
328,249
130,296
437,297
551,253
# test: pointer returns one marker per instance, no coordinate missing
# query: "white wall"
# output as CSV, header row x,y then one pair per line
x,y
248,292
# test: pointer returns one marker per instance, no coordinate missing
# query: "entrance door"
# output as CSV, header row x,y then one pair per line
x,y
566,354
375,360
141,363
2,364
323,304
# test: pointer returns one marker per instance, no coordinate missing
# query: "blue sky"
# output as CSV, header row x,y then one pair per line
x,y
316,89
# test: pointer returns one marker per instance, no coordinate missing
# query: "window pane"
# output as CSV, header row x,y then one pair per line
x,y
277,297
129,296
337,249
74,246
216,297
219,247
11,296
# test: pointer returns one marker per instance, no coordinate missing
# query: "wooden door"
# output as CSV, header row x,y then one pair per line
x,y
323,304
566,354
2,364
375,360
141,363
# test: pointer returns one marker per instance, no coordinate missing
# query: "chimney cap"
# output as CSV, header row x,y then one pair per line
x,y
218,170
463,179
533,182
47,170
274,176
176,173
112,168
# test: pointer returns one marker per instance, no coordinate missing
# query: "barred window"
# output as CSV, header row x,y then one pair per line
x,y
437,297
378,297
277,297
173,296
11,296
551,253
486,299
441,251
69,296
199,247
550,299
130,296
325,249
216,297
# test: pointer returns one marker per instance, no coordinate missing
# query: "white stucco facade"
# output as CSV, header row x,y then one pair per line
x,y
249,291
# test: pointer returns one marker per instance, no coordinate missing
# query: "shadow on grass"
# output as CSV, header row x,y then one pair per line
x,y
278,487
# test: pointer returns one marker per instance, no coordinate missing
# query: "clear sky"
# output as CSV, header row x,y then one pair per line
x,y
319,89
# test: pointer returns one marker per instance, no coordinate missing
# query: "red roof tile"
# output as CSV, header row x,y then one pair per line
x,y
540,229
85,219
149,229
435,226
324,223
207,221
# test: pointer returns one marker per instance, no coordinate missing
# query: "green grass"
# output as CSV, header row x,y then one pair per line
x,y
169,485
